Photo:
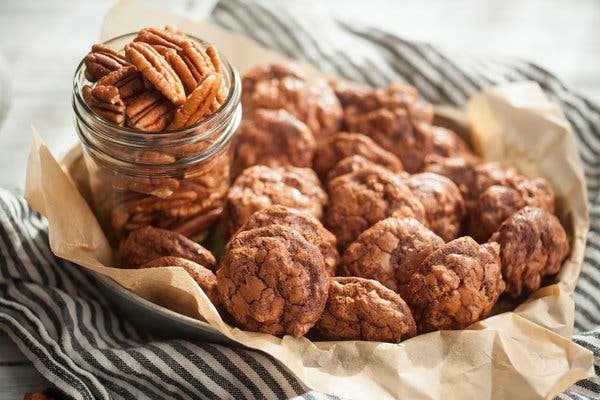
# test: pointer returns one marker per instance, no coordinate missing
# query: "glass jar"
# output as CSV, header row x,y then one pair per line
x,y
175,180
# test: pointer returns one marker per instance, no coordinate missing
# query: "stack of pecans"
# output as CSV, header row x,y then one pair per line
x,y
162,81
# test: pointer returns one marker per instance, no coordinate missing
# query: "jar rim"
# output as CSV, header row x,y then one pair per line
x,y
131,136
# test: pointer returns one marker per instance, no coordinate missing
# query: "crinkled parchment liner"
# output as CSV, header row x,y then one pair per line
x,y
522,354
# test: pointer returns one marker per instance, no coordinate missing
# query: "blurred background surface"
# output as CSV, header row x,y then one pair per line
x,y
41,43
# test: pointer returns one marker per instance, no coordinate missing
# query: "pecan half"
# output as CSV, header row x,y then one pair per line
x,y
211,51
105,101
150,112
162,40
198,103
196,58
101,61
182,69
149,204
156,69
128,80
158,186
197,223
155,157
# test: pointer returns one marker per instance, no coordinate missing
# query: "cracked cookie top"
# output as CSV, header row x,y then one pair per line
x,y
390,252
364,309
456,285
259,187
273,280
361,198
533,244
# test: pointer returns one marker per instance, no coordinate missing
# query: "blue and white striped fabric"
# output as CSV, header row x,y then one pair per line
x,y
54,312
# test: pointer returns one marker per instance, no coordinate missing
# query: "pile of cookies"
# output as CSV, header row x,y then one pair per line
x,y
353,217
162,84
417,232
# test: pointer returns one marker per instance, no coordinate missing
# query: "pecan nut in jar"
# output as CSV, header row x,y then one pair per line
x,y
157,144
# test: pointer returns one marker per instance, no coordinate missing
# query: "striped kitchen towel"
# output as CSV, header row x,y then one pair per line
x,y
56,315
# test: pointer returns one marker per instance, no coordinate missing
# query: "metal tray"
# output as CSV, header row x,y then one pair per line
x,y
156,321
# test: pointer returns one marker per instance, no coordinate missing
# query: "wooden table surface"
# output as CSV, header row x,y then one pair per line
x,y
42,42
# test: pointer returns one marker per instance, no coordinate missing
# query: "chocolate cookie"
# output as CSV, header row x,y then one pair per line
x,y
390,252
361,198
443,203
203,276
447,143
148,243
364,309
459,170
273,137
492,173
341,145
307,225
496,203
533,244
348,92
390,116
456,285
267,72
273,280
282,87
354,163
259,187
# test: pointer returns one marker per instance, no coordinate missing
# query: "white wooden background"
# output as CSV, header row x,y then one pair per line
x,y
41,42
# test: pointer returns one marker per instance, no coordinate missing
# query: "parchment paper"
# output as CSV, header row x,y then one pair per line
x,y
522,354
